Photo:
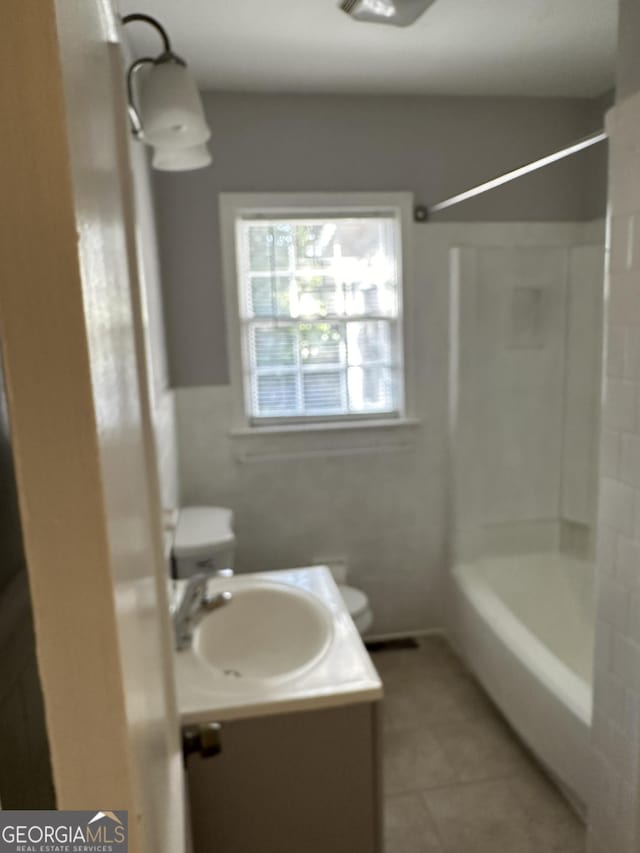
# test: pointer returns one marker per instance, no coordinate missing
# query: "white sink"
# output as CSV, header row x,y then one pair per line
x,y
268,631
284,643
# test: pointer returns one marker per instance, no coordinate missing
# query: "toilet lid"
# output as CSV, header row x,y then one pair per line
x,y
355,600
203,530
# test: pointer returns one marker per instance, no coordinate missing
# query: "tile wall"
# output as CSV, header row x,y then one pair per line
x,y
526,379
615,810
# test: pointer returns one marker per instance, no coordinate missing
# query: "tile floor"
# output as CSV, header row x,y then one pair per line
x,y
456,779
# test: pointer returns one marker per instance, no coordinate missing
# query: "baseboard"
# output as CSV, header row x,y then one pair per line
x,y
403,635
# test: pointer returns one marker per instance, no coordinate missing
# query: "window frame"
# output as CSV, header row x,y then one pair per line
x,y
234,206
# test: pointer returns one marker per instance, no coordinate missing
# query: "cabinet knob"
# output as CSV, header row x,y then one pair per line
x,y
204,739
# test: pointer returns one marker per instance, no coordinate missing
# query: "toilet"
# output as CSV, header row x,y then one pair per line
x,y
204,541
355,600
358,606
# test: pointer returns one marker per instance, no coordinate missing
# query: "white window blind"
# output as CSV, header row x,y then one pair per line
x,y
320,314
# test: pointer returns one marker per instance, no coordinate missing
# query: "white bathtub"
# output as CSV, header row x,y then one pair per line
x,y
525,626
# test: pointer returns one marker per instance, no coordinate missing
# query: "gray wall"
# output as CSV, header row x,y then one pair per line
x,y
628,66
433,146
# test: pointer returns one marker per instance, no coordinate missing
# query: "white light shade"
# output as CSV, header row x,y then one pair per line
x,y
381,8
400,13
170,107
181,159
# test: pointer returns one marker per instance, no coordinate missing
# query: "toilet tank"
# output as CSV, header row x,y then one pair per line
x,y
203,540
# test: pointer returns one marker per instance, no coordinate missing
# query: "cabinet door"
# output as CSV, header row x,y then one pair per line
x,y
290,783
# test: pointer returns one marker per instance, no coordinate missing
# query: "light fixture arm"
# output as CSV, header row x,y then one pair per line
x,y
167,55
134,116
147,19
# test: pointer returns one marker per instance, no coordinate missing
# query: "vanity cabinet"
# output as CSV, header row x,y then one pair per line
x,y
302,782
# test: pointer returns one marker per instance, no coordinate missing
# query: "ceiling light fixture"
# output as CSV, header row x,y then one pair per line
x,y
400,13
165,108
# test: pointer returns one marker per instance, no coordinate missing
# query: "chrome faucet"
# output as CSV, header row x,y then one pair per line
x,y
195,603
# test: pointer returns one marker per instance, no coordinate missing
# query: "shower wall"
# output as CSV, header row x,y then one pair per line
x,y
582,392
526,347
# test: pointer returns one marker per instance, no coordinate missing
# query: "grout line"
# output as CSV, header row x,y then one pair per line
x,y
438,833
466,783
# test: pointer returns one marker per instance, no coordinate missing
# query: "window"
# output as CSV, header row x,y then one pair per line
x,y
319,295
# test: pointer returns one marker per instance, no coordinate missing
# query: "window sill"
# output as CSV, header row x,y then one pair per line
x,y
330,426
321,441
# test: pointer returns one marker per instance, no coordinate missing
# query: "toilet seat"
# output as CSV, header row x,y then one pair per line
x,y
355,600
357,604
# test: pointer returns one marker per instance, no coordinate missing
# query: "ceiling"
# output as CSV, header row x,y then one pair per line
x,y
459,47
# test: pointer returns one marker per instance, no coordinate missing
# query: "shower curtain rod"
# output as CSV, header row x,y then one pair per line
x,y
423,213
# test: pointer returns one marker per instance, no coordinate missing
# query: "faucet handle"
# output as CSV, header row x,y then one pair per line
x,y
208,566
224,573
214,602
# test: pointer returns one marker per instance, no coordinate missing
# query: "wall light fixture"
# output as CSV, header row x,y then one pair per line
x,y
165,108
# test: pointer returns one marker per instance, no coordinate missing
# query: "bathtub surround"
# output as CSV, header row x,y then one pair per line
x,y
431,146
526,356
526,353
614,824
377,497
616,720
582,391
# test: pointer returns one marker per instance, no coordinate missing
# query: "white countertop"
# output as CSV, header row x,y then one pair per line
x,y
344,675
